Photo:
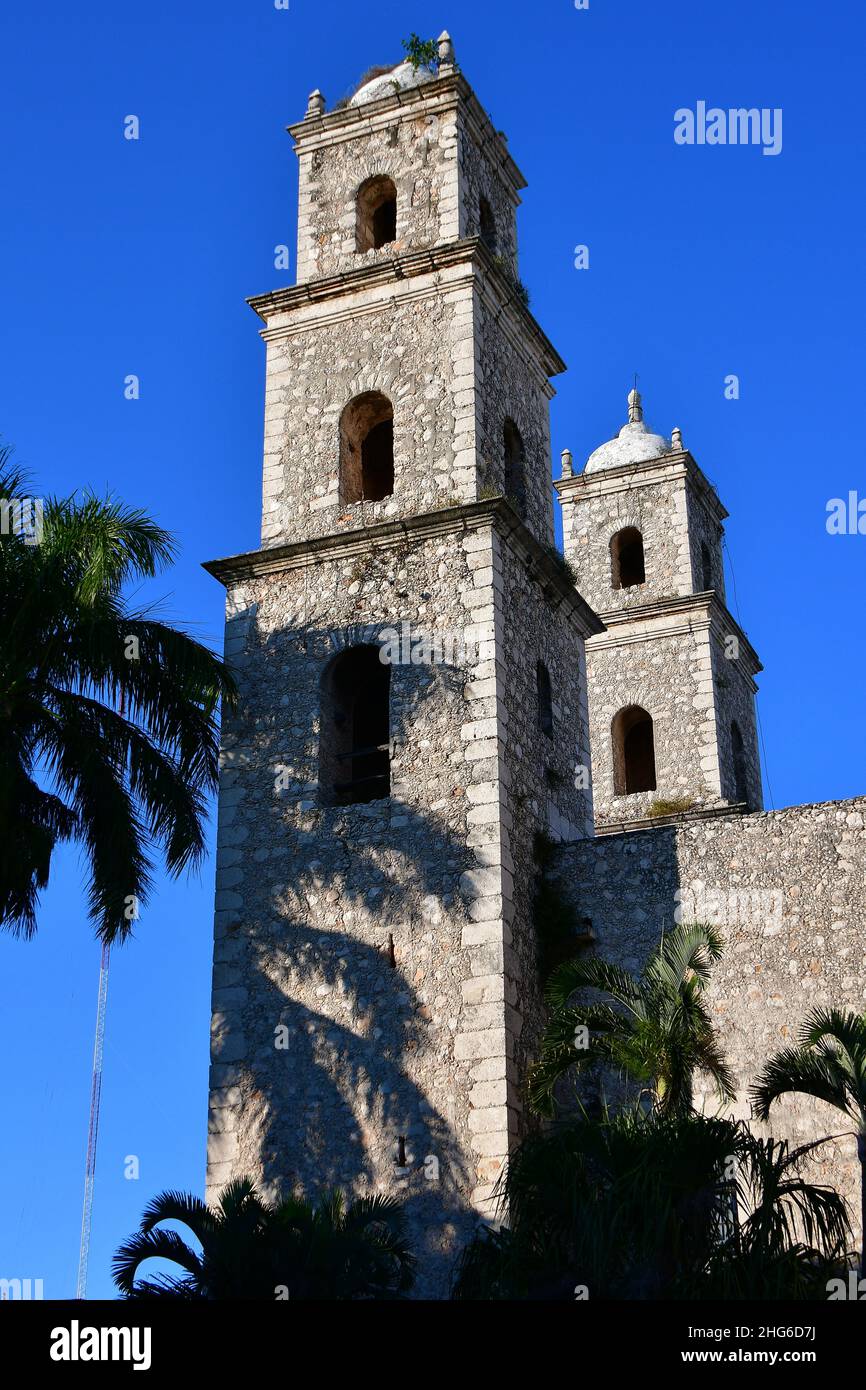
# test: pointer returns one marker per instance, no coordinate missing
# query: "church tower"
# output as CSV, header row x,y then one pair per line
x,y
672,677
410,654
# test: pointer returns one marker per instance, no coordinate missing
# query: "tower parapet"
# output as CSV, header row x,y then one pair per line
x,y
672,678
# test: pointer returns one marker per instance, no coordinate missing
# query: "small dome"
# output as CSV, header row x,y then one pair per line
x,y
403,74
634,443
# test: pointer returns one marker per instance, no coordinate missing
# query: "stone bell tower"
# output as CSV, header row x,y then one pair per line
x,y
410,655
671,679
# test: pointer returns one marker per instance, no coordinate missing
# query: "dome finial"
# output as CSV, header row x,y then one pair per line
x,y
446,50
635,409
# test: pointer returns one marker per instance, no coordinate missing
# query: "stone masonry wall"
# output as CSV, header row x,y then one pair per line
x,y
788,891
704,527
414,145
735,700
510,384
480,163
415,345
311,898
667,669
658,510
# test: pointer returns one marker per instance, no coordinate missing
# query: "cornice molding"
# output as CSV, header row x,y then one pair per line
x,y
682,613
440,93
627,476
386,535
470,252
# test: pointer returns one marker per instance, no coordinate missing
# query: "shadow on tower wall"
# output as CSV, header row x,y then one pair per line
x,y
346,946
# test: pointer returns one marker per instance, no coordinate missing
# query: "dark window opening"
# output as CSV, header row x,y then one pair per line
x,y
634,764
545,699
487,225
706,567
367,449
354,748
376,223
738,754
515,470
627,566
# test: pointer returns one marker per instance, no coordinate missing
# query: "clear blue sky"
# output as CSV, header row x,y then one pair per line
x,y
126,257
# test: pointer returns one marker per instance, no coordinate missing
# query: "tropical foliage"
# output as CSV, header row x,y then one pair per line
x,y
250,1250
108,716
653,1206
654,1028
829,1064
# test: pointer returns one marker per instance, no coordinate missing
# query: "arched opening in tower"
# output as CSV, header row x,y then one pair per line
x,y
738,758
367,449
515,467
627,566
487,224
634,762
376,219
355,729
545,699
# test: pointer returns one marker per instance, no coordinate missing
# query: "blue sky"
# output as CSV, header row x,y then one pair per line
x,y
124,257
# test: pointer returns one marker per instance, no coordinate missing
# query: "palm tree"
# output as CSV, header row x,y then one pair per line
x,y
829,1064
252,1251
657,1205
656,1029
108,732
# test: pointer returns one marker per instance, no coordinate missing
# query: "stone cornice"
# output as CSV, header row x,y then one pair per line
x,y
678,819
679,614
679,464
442,93
470,516
470,252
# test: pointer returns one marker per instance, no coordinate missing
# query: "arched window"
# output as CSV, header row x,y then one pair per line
x,y
738,757
634,760
367,448
376,223
487,224
545,699
355,729
626,558
706,567
515,470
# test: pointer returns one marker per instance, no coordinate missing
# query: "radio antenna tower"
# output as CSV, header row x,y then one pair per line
x,y
93,1128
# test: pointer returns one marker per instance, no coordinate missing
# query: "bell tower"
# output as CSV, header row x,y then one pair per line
x,y
410,654
672,677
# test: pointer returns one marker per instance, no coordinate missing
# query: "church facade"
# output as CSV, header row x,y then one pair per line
x,y
437,710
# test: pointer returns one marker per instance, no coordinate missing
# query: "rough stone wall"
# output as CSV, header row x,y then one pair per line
x,y
414,144
735,700
546,791
415,345
669,673
657,507
787,888
510,384
480,171
309,895
704,527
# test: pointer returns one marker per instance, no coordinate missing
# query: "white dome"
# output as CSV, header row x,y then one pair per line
x,y
404,75
634,443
